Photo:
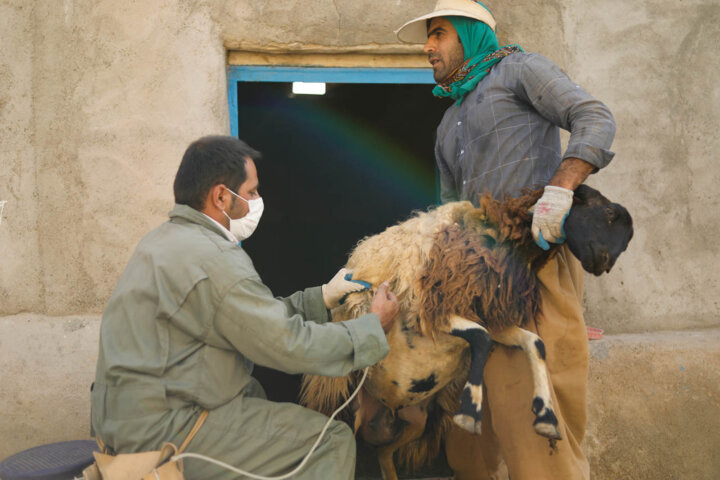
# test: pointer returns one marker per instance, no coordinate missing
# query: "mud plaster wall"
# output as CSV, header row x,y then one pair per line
x,y
98,100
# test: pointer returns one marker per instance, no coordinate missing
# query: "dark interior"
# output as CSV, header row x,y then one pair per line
x,y
335,168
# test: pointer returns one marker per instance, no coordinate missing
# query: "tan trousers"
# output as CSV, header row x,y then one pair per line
x,y
508,443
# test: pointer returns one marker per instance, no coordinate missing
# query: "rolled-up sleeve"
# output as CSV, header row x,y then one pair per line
x,y
568,105
266,331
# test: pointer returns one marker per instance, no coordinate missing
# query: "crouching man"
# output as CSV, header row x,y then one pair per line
x,y
190,316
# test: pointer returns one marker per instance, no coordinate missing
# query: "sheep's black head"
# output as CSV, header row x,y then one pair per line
x,y
597,230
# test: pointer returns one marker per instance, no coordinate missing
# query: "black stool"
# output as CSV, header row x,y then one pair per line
x,y
54,461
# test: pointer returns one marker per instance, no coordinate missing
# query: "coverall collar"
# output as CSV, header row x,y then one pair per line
x,y
189,214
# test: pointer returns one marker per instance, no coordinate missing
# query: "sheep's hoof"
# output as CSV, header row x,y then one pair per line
x,y
546,423
468,423
547,430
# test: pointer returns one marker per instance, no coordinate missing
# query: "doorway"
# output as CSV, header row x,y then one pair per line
x,y
336,168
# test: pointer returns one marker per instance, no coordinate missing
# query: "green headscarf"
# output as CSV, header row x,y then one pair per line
x,y
482,52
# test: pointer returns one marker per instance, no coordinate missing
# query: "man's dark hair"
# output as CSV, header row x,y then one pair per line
x,y
210,161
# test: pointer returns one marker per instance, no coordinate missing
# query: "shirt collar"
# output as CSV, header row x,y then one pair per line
x,y
228,234
196,216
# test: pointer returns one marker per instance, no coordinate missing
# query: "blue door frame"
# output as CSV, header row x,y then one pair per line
x,y
237,74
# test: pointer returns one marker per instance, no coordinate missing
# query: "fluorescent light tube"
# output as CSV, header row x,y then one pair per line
x,y
306,88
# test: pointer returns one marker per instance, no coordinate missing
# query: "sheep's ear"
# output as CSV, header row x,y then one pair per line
x,y
586,195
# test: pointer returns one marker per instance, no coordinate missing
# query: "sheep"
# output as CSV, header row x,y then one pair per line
x,y
464,277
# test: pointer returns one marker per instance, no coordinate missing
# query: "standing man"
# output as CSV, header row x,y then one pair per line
x,y
190,316
501,136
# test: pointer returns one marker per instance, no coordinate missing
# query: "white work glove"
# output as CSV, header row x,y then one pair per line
x,y
549,214
337,288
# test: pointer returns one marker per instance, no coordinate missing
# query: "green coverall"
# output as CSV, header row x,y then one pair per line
x,y
182,329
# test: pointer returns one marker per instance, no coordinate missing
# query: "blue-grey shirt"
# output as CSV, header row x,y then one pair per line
x,y
504,136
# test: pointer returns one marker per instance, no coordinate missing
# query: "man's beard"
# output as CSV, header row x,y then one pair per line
x,y
446,78
453,62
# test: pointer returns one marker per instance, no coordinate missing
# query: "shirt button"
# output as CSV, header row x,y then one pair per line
x,y
459,123
462,151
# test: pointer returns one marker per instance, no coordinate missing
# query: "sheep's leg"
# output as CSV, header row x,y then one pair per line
x,y
469,416
415,417
546,423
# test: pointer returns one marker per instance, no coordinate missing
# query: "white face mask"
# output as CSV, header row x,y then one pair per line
x,y
243,227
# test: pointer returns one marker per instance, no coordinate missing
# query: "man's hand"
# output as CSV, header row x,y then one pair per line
x,y
549,215
336,289
385,305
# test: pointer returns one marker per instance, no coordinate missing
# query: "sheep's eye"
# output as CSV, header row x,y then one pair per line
x,y
610,214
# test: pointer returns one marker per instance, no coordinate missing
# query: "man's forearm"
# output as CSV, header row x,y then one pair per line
x,y
571,173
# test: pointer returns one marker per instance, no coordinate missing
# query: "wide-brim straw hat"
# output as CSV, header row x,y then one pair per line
x,y
415,31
